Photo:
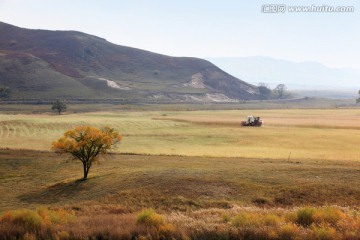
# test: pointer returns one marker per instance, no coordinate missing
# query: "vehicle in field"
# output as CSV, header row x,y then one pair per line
x,y
252,121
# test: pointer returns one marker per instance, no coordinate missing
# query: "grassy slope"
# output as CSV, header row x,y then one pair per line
x,y
82,58
30,77
31,179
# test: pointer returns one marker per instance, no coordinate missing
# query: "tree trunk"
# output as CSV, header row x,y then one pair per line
x,y
86,171
59,111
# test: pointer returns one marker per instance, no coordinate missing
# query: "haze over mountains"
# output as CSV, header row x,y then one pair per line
x,y
309,78
37,64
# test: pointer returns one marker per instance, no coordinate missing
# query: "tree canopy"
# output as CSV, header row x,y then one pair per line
x,y
58,106
280,91
4,92
87,144
264,91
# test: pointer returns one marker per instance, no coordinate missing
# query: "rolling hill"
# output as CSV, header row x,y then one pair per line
x,y
43,64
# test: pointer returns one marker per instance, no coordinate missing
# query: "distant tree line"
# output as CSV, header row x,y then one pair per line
x,y
279,92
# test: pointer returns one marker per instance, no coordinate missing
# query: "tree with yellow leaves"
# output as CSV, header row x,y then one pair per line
x,y
87,143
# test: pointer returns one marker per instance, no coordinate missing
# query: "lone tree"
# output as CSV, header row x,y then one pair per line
x,y
358,99
5,92
87,144
58,106
264,91
280,91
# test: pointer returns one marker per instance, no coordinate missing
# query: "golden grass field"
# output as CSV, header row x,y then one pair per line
x,y
207,176
302,134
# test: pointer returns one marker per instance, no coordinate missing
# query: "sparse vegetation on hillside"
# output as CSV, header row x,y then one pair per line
x,y
64,65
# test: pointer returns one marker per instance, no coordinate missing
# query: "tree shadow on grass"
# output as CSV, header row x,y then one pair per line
x,y
59,192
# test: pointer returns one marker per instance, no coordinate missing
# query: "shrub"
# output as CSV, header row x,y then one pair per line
x,y
166,231
62,235
149,217
290,217
29,236
328,215
288,232
40,224
226,218
271,220
26,218
245,220
58,217
261,201
350,224
323,233
305,216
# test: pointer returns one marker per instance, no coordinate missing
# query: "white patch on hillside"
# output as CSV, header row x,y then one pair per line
x,y
211,97
113,84
208,97
251,91
219,97
158,96
197,81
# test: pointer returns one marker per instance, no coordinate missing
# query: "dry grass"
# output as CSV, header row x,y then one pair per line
x,y
306,134
325,118
31,179
243,223
195,170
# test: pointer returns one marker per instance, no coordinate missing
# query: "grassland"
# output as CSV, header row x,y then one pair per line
x,y
30,179
302,134
98,105
199,197
204,173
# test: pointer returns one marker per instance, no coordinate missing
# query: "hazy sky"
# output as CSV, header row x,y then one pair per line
x,y
203,28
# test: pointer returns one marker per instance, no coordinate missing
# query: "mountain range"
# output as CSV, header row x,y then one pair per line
x,y
312,78
44,64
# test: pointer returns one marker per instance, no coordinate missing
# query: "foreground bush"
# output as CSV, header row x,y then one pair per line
x,y
305,216
150,218
24,218
29,224
311,223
